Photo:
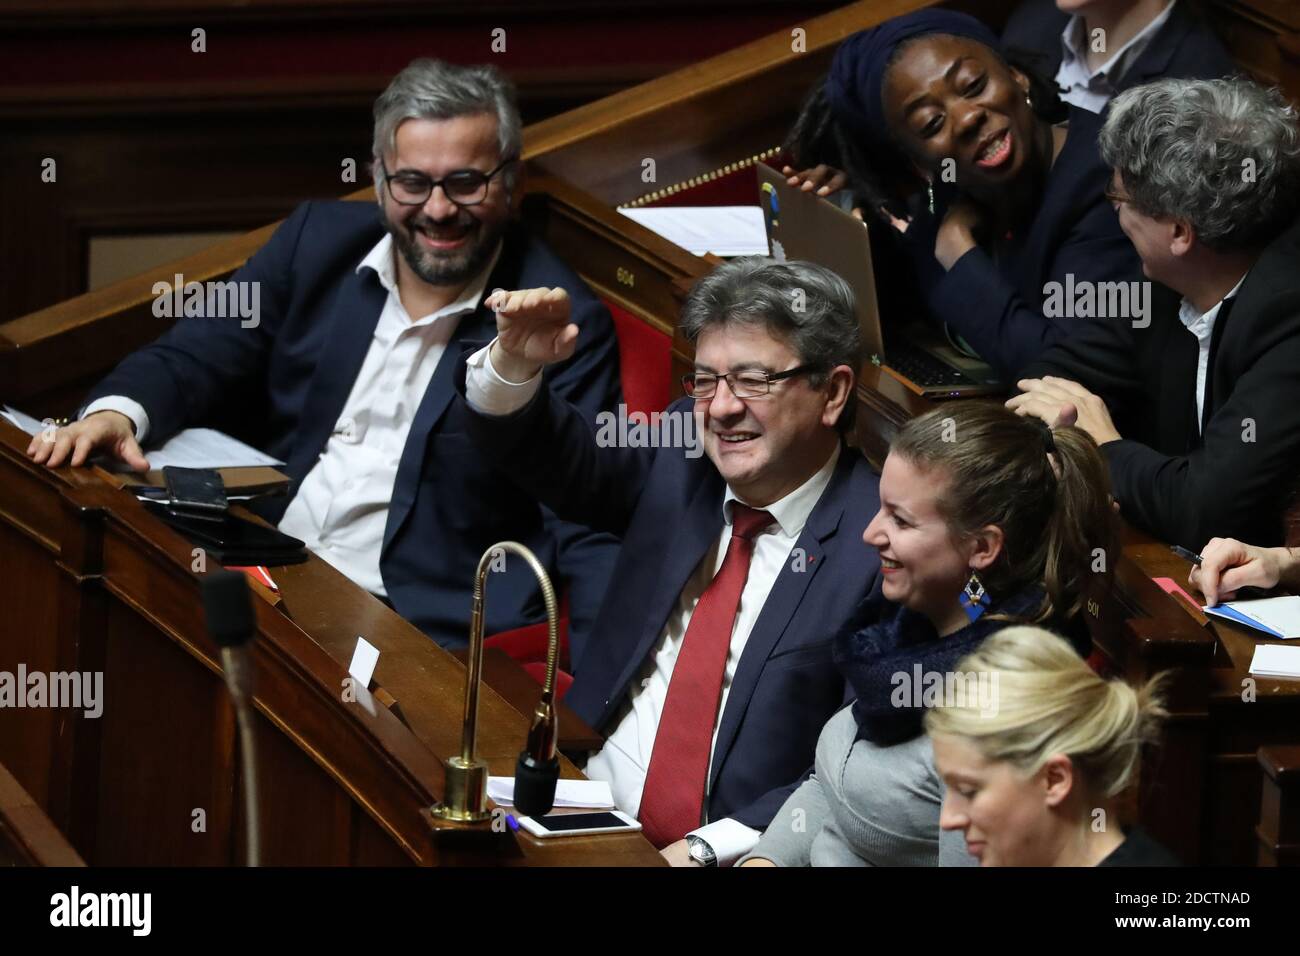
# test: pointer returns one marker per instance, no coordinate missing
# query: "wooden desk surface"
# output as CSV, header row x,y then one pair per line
x,y
1236,642
70,531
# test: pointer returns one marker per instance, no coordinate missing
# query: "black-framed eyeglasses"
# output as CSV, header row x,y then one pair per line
x,y
464,187
748,383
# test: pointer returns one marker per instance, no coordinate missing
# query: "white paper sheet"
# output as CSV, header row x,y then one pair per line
x,y
28,424
191,448
722,230
1276,660
590,794
364,659
1278,616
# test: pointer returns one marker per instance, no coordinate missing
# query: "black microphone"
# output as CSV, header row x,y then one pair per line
x,y
535,782
538,770
231,623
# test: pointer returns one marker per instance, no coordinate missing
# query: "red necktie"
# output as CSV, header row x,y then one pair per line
x,y
679,764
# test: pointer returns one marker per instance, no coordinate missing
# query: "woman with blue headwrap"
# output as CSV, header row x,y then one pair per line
x,y
1010,202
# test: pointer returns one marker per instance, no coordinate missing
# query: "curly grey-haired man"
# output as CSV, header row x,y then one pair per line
x,y
1204,390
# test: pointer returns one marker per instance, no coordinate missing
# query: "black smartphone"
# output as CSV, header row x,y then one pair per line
x,y
229,533
196,489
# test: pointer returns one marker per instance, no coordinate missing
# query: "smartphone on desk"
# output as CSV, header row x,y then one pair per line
x,y
579,824
196,490
228,532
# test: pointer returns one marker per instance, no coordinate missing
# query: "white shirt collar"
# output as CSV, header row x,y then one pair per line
x,y
792,511
1074,46
380,260
1201,324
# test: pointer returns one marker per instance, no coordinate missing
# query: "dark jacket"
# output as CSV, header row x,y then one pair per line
x,y
1184,47
1234,477
1139,849
281,386
667,508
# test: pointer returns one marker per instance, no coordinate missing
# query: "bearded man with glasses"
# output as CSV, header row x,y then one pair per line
x,y
709,667
346,373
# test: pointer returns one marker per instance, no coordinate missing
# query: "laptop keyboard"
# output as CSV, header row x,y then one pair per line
x,y
923,368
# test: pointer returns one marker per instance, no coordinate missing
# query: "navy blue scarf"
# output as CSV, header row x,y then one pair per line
x,y
883,639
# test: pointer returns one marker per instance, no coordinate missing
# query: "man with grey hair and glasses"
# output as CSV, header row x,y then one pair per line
x,y
1196,406
709,667
346,374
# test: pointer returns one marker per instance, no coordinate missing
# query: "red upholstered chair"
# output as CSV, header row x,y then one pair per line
x,y
645,361
527,645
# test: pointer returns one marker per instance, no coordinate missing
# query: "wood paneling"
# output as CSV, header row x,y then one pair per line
x,y
150,137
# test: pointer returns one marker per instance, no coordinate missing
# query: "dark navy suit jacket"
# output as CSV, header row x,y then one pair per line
x,y
1184,47
282,385
1231,474
668,510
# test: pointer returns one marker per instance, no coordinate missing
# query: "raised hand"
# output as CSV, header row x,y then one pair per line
x,y
533,330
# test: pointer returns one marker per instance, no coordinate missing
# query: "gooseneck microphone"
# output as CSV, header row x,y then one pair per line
x,y
538,771
232,624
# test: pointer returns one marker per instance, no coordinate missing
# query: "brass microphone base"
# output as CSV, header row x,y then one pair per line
x,y
464,792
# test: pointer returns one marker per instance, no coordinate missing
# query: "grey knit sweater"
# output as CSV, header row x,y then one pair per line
x,y
864,805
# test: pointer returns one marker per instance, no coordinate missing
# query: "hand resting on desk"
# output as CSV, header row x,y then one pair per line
x,y
104,432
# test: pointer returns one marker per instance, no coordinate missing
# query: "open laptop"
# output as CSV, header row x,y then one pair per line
x,y
803,226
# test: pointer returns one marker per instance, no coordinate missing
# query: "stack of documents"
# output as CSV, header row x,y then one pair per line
x,y
1276,660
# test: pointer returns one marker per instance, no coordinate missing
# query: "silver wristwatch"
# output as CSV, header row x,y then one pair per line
x,y
700,851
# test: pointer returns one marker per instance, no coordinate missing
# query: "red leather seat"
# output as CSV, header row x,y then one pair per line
x,y
528,646
645,357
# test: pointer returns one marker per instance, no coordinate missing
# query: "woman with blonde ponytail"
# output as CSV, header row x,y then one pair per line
x,y
987,520
1033,774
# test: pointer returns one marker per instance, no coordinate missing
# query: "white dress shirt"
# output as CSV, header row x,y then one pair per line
x,y
1201,325
1091,90
625,758
341,508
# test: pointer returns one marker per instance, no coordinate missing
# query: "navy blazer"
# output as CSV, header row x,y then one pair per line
x,y
281,387
667,508
1185,47
1232,476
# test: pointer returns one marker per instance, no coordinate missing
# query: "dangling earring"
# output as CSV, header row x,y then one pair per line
x,y
929,191
1029,100
974,599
